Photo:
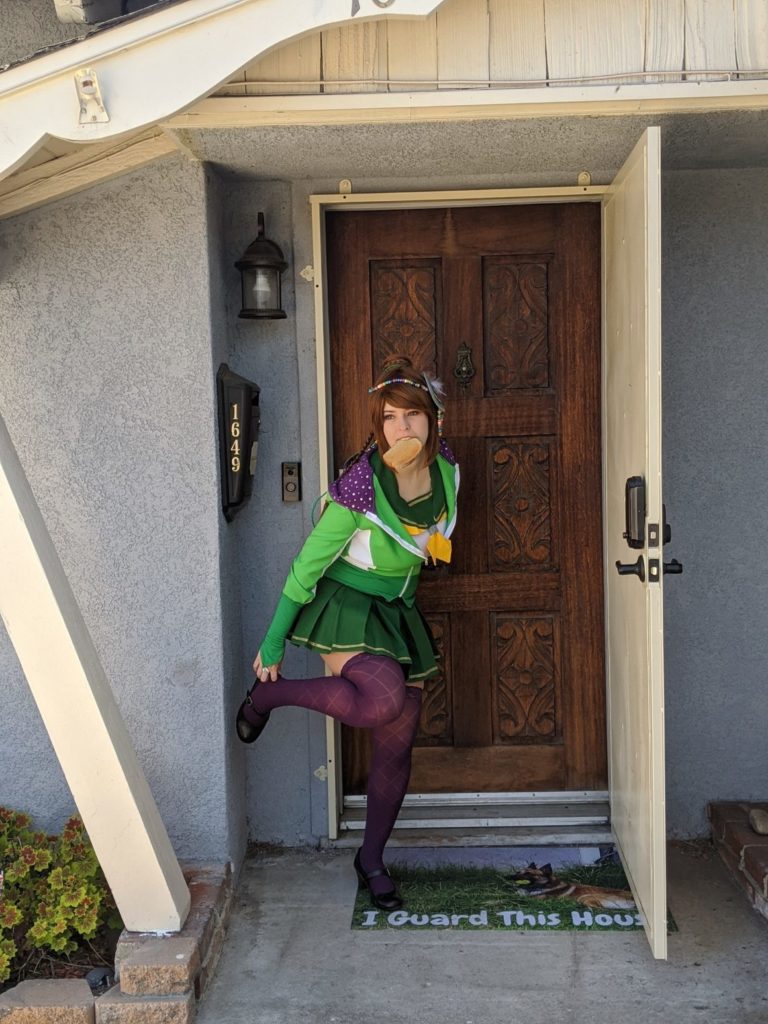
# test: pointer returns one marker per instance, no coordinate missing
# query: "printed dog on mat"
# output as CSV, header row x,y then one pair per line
x,y
541,882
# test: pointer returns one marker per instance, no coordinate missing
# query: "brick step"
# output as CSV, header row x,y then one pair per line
x,y
115,1007
744,851
148,965
161,967
55,1001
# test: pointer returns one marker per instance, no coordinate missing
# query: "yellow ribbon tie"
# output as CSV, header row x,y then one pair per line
x,y
438,545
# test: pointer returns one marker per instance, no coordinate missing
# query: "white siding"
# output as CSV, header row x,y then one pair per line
x,y
474,43
298,62
462,41
355,57
600,37
412,47
751,34
709,36
518,47
665,38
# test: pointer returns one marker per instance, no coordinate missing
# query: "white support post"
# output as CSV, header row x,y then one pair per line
x,y
78,708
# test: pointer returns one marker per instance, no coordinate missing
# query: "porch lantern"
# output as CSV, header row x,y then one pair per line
x,y
261,267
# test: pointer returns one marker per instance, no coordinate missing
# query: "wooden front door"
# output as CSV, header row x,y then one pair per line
x,y
509,298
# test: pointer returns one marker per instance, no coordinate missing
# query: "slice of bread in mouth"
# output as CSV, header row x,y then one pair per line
x,y
402,452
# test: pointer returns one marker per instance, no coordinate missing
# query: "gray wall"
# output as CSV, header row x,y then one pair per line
x,y
107,388
286,801
715,311
229,547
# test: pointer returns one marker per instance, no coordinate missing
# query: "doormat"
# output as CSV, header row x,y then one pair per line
x,y
526,897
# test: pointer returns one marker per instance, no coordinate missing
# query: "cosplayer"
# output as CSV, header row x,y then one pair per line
x,y
350,594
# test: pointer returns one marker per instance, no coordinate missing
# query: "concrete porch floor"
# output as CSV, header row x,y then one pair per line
x,y
292,958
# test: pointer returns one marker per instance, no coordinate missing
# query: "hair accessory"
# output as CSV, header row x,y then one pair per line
x,y
398,380
431,385
436,391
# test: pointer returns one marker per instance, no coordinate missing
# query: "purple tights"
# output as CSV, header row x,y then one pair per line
x,y
370,693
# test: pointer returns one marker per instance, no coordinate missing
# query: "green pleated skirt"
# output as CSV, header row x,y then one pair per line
x,y
342,619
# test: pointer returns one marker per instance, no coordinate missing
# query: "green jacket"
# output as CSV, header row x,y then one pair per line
x,y
359,541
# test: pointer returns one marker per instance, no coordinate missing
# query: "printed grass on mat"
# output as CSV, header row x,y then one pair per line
x,y
484,898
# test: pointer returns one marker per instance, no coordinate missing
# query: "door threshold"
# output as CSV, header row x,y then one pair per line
x,y
459,838
489,819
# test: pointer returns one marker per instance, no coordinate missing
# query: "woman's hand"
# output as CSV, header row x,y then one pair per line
x,y
265,673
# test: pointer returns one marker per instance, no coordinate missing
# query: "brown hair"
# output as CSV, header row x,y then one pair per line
x,y
403,396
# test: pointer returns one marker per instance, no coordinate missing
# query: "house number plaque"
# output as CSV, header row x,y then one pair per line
x,y
239,421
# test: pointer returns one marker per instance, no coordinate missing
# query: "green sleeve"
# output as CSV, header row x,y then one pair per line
x,y
273,645
323,546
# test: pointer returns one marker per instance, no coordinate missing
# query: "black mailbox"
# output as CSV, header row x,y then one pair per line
x,y
239,421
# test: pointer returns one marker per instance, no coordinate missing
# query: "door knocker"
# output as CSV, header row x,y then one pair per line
x,y
464,370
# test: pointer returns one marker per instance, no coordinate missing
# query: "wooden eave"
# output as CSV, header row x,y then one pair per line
x,y
152,67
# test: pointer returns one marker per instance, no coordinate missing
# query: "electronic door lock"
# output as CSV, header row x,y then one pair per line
x,y
634,512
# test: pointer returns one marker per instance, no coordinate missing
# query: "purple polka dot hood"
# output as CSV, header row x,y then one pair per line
x,y
354,487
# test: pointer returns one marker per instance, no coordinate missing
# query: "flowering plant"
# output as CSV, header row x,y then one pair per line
x,y
53,893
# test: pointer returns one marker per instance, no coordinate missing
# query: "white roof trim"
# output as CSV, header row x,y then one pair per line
x,y
472,104
150,68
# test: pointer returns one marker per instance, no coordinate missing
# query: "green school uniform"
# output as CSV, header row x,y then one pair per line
x,y
352,586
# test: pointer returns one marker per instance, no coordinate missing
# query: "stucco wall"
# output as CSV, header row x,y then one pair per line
x,y
229,547
286,802
716,486
106,384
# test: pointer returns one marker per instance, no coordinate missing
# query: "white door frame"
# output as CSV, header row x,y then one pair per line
x,y
320,205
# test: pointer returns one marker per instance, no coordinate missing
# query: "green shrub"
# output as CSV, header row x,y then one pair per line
x,y
53,894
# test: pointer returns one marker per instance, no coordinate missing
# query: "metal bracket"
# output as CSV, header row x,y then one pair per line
x,y
654,570
92,109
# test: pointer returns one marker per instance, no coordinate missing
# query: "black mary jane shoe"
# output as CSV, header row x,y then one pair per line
x,y
248,732
389,900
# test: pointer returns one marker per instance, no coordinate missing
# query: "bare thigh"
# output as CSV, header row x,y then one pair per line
x,y
336,660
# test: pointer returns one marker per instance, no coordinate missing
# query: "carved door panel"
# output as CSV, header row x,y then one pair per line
x,y
508,298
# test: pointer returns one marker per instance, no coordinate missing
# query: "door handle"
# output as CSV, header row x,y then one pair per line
x,y
674,567
632,568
